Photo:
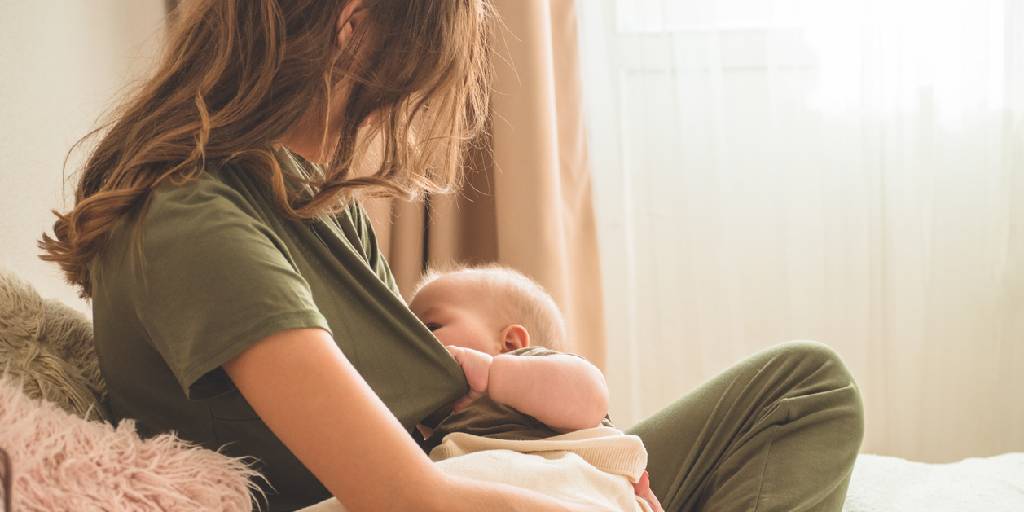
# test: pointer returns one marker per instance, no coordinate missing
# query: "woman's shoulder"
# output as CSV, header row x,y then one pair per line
x,y
207,191
203,215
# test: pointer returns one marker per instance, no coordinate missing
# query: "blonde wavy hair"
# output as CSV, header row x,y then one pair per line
x,y
237,74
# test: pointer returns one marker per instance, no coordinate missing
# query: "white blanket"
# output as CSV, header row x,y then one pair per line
x,y
594,467
891,484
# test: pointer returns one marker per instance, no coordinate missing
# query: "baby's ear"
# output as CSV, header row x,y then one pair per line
x,y
514,337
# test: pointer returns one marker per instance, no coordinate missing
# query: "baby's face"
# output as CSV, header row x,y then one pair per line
x,y
458,314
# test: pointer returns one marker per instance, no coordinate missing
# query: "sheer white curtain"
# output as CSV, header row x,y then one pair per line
x,y
845,171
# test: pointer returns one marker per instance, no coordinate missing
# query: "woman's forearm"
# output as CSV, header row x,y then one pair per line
x,y
315,401
563,391
318,405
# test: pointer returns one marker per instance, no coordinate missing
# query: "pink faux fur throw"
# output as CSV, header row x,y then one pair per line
x,y
63,462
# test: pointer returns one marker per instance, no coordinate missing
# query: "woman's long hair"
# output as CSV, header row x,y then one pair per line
x,y
6,480
236,75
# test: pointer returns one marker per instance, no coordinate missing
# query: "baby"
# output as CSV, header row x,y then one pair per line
x,y
538,423
488,317
491,318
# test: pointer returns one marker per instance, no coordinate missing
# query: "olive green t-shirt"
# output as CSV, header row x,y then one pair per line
x,y
222,270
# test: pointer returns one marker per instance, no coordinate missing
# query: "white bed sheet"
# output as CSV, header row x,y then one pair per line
x,y
891,484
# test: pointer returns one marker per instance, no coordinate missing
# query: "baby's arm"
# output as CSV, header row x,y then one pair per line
x,y
563,391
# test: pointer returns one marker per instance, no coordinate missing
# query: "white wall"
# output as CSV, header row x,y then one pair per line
x,y
63,64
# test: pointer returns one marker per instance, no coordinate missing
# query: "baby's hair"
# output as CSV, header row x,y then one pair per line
x,y
524,301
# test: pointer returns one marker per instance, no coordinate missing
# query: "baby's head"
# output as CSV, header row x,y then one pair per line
x,y
489,308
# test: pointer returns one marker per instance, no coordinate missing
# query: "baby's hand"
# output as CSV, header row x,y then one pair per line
x,y
477,367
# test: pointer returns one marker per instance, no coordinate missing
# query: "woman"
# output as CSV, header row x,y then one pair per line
x,y
239,297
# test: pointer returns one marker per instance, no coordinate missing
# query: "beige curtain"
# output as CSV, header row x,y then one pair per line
x,y
528,203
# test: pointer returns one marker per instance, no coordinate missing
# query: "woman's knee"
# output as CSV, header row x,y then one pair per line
x,y
822,363
813,353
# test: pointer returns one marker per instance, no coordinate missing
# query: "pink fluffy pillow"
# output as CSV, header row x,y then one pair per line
x,y
63,462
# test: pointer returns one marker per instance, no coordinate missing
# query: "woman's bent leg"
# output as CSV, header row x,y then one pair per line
x,y
779,431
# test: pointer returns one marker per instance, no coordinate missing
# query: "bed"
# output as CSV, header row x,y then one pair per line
x,y
892,484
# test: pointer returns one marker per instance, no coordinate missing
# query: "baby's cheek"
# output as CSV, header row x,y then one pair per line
x,y
444,336
482,346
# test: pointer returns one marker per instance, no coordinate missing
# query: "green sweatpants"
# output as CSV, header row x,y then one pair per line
x,y
778,431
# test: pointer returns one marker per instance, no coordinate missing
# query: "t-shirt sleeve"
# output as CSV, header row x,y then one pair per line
x,y
537,350
214,280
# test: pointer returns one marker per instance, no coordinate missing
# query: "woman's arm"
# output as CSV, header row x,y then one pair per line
x,y
563,391
317,404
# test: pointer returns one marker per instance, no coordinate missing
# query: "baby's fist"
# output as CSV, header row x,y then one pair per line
x,y
476,365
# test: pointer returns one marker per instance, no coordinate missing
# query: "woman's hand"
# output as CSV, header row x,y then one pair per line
x,y
476,365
